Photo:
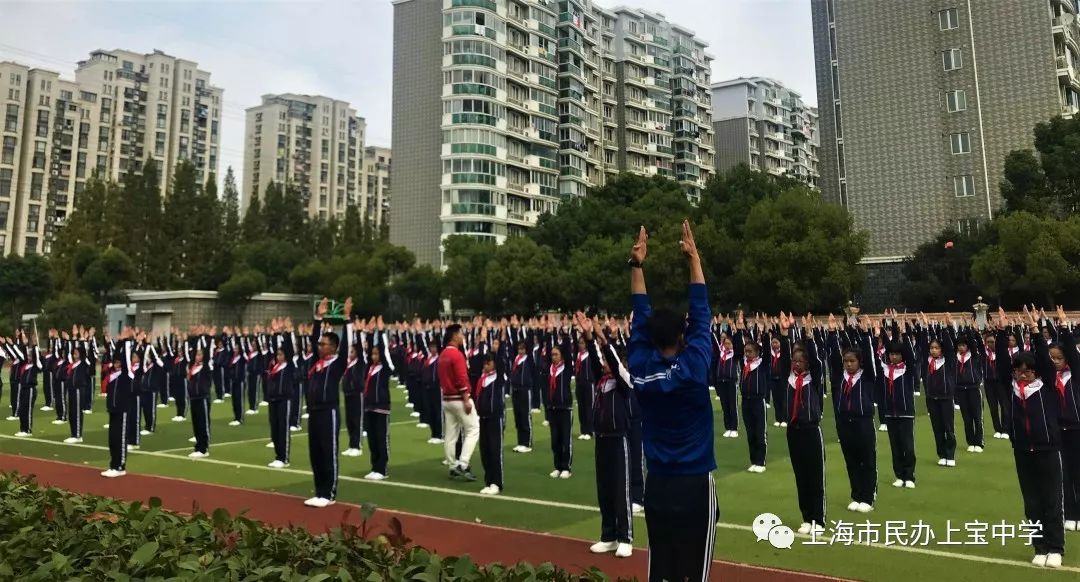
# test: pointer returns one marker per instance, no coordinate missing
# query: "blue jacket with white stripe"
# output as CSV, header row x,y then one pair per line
x,y
677,416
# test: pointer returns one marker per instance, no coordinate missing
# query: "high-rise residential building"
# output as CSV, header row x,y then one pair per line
x,y
534,101
57,133
314,143
767,126
921,103
375,198
153,106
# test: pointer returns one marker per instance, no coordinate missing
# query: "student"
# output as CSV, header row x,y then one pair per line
x,y
610,412
669,355
324,381
199,381
897,383
1066,358
304,364
491,409
177,377
852,377
778,375
352,388
556,380
754,389
584,380
153,381
237,373
726,379
76,381
27,362
429,383
118,384
1036,440
939,378
803,397
521,382
377,404
969,376
997,392
254,365
280,384
134,438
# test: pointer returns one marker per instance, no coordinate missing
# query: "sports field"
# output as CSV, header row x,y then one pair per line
x,y
983,487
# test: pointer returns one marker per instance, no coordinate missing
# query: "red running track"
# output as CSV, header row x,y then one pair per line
x,y
485,544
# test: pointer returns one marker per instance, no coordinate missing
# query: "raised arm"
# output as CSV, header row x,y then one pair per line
x,y
637,262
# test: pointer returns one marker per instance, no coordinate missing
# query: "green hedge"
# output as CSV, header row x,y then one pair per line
x,y
51,534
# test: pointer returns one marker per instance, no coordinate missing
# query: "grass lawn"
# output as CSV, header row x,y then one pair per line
x,y
981,488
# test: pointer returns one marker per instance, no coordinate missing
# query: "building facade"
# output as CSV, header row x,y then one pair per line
x,y
57,133
375,199
919,109
767,126
536,100
311,142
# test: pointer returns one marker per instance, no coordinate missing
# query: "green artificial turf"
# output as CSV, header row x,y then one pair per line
x,y
981,488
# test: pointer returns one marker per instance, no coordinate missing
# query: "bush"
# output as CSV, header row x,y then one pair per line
x,y
71,309
51,534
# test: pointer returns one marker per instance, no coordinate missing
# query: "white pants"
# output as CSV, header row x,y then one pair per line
x,y
455,422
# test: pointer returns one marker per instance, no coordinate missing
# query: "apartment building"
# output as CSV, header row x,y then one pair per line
x,y
312,142
536,101
762,123
375,199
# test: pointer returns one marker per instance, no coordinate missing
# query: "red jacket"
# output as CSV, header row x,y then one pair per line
x,y
453,374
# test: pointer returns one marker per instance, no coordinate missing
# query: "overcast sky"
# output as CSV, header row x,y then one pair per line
x,y
343,49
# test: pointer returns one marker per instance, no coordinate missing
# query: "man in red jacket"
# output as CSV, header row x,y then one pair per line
x,y
459,414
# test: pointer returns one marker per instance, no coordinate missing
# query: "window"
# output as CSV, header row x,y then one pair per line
x,y
36,181
951,59
5,188
948,19
4,206
961,143
957,100
31,246
8,155
963,186
968,226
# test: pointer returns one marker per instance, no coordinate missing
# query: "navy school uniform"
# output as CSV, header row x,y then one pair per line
x,y
281,379
853,405
177,379
969,378
754,388
804,396
119,385
521,396
585,376
1036,438
488,396
540,360
939,380
897,385
611,424
352,388
236,371
154,381
199,381
323,385
28,366
135,404
303,364
726,378
432,412
414,377
76,381
1069,419
56,364
377,406
556,380
777,378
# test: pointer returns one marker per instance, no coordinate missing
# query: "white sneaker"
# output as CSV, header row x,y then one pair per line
x,y
351,453
1053,560
1039,560
783,425
191,440
145,432
865,508
853,506
321,502
227,395
198,455
276,465
916,393
234,423
941,462
311,502
45,408
751,469
218,401
294,429
604,547
251,412
408,405
734,434
760,469
898,483
1004,436
414,414
909,484
971,449
554,474
58,421
716,398
364,434
727,434
106,425
133,447
22,434
112,474
1070,525
171,399
883,428
435,441
72,440
624,551
804,528
422,425
978,449
564,475
264,404
956,407
585,437
950,463
178,419
637,508
546,423
536,411
817,528
270,445
776,423
305,416
12,418
997,435
162,405
486,490
373,476
495,490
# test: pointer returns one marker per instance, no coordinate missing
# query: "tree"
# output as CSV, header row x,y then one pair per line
x,y
1035,257
1025,188
239,289
25,283
803,255
109,270
180,222
521,277
254,224
419,290
70,309
940,271
464,282
1047,181
596,275
230,206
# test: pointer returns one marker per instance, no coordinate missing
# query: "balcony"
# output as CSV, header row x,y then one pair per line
x,y
487,4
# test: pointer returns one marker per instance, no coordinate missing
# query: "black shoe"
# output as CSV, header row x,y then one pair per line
x,y
455,472
467,475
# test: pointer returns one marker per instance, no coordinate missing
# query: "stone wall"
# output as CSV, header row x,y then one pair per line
x,y
159,310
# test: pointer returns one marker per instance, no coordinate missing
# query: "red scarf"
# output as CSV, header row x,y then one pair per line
x,y
961,361
800,380
726,355
71,369
746,368
600,390
775,358
194,369
372,372
1060,383
890,380
580,360
553,378
933,365
990,356
481,383
849,383
278,367
319,366
1023,404
517,362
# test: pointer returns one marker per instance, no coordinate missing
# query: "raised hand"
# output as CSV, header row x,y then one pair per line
x,y
640,248
320,310
686,243
347,309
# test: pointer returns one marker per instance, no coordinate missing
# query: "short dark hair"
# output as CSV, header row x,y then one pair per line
x,y
489,357
1024,360
854,352
665,328
451,330
894,347
333,337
